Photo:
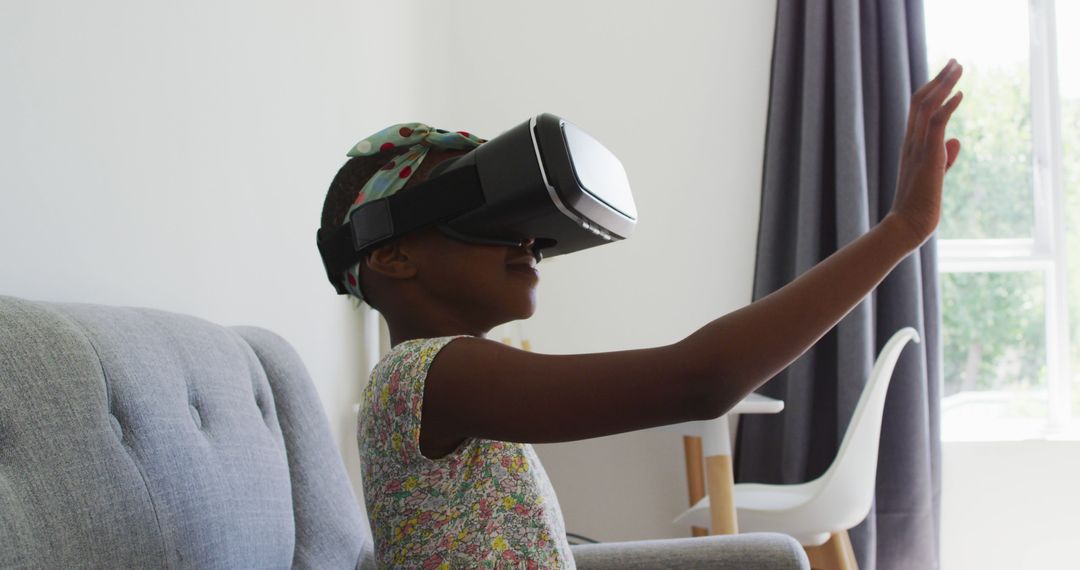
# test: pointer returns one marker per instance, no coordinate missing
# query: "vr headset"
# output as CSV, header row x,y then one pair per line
x,y
544,179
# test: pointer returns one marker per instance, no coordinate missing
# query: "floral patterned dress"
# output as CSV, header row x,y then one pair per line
x,y
488,504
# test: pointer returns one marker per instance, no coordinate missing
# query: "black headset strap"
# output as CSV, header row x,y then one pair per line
x,y
432,201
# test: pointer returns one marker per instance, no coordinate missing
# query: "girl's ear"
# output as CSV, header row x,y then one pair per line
x,y
392,261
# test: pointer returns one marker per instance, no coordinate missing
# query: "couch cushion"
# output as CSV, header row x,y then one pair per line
x,y
331,531
135,437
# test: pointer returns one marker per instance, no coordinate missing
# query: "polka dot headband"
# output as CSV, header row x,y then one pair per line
x,y
395,174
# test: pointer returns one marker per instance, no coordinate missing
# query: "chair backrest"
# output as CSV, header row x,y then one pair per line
x,y
138,438
846,490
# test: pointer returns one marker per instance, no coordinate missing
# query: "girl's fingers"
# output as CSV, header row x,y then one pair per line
x,y
952,151
919,96
945,112
942,90
941,76
921,105
929,106
940,118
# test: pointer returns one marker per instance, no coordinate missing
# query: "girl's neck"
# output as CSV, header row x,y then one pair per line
x,y
400,333
422,318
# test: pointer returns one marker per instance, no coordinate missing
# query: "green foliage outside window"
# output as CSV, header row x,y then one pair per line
x,y
994,331
988,192
994,323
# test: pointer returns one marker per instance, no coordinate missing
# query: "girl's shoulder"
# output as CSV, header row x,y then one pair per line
x,y
411,356
392,404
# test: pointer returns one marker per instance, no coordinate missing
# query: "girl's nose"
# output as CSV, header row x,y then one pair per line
x,y
529,245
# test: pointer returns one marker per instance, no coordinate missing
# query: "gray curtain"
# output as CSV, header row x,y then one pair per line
x,y
842,78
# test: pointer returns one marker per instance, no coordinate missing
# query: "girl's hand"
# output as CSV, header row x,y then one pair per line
x,y
926,156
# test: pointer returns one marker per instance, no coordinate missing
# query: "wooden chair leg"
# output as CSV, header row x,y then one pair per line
x,y
721,487
695,476
836,554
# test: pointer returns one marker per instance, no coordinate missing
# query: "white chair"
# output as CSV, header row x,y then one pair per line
x,y
820,512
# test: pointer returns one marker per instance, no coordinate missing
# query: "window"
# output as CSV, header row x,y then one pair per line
x,y
1010,212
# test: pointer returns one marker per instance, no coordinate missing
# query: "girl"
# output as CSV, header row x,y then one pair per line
x,y
450,480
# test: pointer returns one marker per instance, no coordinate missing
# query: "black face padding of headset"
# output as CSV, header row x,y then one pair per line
x,y
429,203
536,251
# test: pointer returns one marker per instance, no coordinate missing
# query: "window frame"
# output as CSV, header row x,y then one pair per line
x,y
1046,250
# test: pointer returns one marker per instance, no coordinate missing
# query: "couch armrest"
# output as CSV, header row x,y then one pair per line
x,y
741,551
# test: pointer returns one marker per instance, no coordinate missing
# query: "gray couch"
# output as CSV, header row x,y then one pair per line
x,y
139,438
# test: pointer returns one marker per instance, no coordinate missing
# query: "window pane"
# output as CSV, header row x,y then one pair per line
x,y
989,192
1068,18
995,350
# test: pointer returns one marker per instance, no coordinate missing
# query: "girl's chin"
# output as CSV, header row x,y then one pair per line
x,y
527,310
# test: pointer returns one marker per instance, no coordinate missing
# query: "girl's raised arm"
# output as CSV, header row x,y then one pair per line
x,y
482,388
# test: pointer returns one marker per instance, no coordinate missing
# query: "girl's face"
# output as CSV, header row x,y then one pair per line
x,y
489,284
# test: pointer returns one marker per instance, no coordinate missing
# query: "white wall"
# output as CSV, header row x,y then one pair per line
x,y
175,155
678,91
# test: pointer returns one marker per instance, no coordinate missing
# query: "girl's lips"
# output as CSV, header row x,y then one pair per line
x,y
524,269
